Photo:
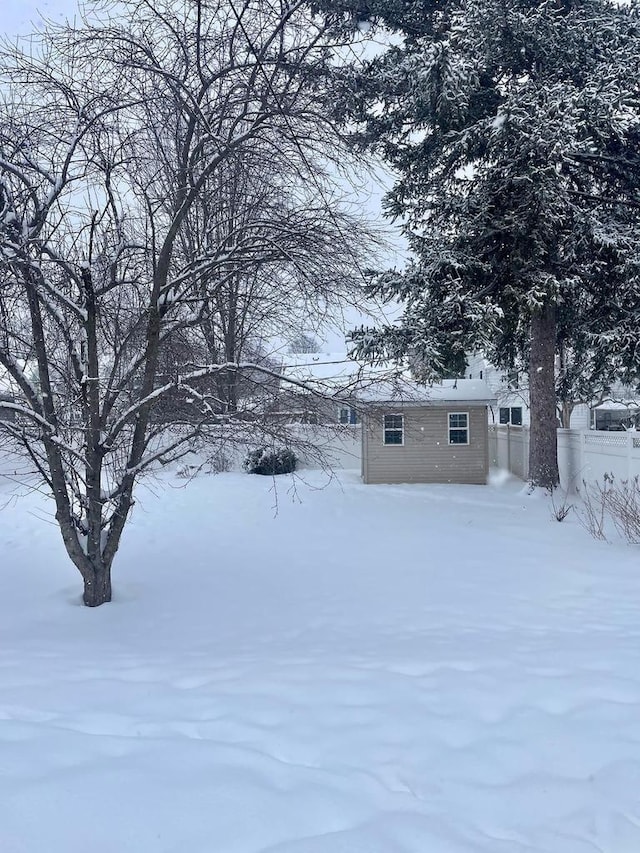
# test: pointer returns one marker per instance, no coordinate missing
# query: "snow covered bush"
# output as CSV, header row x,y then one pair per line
x,y
219,462
272,461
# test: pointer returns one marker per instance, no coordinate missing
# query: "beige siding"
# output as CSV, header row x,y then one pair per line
x,y
426,455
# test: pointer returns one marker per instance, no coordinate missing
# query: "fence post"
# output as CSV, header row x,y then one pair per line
x,y
629,437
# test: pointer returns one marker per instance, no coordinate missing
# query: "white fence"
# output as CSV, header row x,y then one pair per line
x,y
509,449
334,446
587,455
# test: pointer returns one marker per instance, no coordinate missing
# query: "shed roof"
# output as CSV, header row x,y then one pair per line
x,y
339,376
409,393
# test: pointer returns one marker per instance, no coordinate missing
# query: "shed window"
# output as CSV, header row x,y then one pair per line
x,y
458,428
393,432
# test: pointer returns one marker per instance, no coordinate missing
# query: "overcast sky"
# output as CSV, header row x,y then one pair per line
x,y
18,16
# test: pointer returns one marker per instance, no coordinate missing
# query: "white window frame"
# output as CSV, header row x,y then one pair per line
x,y
386,429
509,410
457,429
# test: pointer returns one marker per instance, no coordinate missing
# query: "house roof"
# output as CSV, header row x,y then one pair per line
x,y
407,392
333,374
618,405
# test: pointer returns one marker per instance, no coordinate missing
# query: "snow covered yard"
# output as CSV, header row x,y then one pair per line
x,y
377,669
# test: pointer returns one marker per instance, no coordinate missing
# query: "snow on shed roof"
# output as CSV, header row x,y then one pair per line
x,y
408,392
337,375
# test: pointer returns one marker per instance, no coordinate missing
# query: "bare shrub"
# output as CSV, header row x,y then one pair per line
x,y
620,502
593,513
187,472
623,504
560,510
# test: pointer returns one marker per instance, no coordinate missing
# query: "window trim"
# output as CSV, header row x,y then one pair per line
x,y
458,429
513,379
392,429
353,418
509,414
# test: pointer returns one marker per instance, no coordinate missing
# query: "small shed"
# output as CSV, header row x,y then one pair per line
x,y
426,434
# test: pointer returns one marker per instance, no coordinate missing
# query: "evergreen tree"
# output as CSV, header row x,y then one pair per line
x,y
514,127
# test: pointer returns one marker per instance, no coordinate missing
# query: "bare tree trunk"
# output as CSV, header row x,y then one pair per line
x,y
543,446
565,414
97,586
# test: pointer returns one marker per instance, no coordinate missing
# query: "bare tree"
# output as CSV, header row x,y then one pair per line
x,y
111,135
303,342
311,250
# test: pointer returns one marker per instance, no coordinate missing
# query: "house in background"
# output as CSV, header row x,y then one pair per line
x,y
8,415
512,401
425,434
619,411
7,395
320,388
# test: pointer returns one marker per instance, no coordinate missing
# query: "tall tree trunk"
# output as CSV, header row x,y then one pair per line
x,y
567,408
97,586
543,446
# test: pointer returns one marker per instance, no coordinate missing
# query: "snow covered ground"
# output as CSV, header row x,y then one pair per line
x,y
375,669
